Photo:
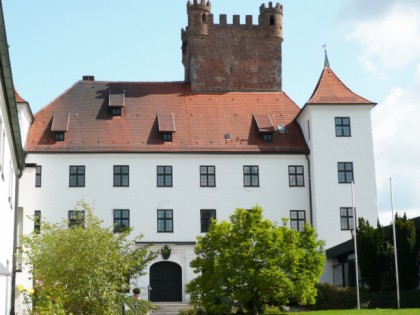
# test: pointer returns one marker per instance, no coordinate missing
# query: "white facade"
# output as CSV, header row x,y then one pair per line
x,y
8,170
327,150
143,198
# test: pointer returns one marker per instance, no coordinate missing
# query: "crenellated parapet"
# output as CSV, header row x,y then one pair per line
x,y
235,53
202,5
271,19
198,16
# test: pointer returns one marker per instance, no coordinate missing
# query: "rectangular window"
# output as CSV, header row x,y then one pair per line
x,y
164,176
296,178
121,219
37,221
346,218
38,176
206,217
165,221
342,126
59,136
121,175
267,137
167,136
207,176
345,172
297,219
76,218
77,176
115,111
251,176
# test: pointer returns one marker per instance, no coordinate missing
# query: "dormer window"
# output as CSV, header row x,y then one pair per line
x,y
265,127
115,111
116,102
167,136
60,125
267,137
166,125
59,136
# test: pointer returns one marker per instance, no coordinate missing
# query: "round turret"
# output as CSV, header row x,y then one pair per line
x,y
271,19
198,13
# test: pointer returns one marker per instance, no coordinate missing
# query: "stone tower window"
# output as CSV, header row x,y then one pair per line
x,y
272,20
204,18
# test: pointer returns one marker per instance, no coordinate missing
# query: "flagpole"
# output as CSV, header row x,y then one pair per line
x,y
395,246
355,245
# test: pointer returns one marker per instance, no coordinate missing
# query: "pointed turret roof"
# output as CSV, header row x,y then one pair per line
x,y
330,90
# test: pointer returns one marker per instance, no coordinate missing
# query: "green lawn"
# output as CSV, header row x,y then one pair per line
x,y
412,311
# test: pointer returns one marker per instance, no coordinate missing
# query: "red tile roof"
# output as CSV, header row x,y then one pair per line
x,y
201,119
330,90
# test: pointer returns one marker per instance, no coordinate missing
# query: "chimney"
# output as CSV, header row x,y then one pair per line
x,y
88,78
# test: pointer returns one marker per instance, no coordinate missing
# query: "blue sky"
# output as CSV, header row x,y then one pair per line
x,y
373,46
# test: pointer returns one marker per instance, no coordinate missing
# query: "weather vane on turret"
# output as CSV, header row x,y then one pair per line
x,y
326,62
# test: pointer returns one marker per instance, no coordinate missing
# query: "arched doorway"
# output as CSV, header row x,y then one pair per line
x,y
166,282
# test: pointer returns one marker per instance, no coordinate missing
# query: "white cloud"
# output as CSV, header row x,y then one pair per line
x,y
396,132
388,34
390,41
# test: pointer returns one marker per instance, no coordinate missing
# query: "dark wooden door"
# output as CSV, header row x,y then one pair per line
x,y
166,282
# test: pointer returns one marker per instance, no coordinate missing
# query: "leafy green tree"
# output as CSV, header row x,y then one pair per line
x,y
83,269
407,251
255,262
375,256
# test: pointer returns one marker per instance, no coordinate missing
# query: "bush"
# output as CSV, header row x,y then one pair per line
x,y
330,297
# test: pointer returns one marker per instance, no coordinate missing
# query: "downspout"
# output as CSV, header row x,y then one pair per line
x,y
310,190
15,242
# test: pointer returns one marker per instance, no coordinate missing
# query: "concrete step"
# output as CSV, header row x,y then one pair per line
x,y
170,308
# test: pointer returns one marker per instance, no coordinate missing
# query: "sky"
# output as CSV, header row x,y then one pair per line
x,y
373,46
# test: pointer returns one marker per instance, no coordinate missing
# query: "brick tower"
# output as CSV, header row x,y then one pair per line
x,y
233,57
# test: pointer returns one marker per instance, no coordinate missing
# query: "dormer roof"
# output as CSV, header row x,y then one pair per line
x,y
166,123
331,90
116,98
60,122
264,123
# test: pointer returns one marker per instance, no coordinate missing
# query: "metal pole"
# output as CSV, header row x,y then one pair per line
x,y
395,246
356,261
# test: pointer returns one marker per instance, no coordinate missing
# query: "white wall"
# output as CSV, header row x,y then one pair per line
x,y
54,198
8,172
143,197
326,151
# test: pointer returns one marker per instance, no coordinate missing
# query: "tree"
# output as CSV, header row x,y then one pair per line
x,y
375,256
407,252
255,262
82,269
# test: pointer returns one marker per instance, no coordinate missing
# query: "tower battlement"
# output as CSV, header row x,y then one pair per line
x,y
232,56
202,5
278,8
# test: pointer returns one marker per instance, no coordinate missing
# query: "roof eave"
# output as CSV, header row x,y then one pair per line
x,y
7,82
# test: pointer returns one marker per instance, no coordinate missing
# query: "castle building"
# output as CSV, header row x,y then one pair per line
x,y
12,161
165,158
